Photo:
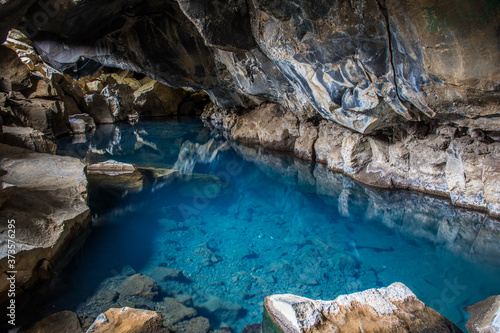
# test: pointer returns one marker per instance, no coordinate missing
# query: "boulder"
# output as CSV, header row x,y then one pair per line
x,y
156,99
111,167
127,320
195,325
174,312
132,182
484,316
391,309
162,274
61,322
227,311
270,125
55,189
94,87
254,328
120,99
46,116
14,74
81,123
115,103
304,145
98,108
139,285
41,87
26,137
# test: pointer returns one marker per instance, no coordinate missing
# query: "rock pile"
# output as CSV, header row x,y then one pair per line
x,y
51,104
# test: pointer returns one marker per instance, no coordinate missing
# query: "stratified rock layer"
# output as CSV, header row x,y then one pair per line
x,y
49,208
391,309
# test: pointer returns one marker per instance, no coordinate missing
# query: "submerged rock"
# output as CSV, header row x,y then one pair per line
x,y
174,312
139,285
484,316
195,325
391,309
61,322
161,274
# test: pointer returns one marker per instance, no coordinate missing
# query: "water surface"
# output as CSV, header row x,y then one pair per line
x,y
243,223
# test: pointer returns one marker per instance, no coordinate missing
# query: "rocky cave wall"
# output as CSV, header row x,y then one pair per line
x,y
365,64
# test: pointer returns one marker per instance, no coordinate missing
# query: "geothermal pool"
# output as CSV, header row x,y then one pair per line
x,y
243,223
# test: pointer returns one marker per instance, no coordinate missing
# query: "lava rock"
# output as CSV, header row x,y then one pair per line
x,y
484,316
394,308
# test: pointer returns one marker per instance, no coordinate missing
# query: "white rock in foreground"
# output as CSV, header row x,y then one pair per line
x,y
484,316
391,309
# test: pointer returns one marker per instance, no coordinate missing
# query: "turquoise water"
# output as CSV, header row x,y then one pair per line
x,y
250,223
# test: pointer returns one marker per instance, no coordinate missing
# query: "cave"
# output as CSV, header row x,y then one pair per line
x,y
250,166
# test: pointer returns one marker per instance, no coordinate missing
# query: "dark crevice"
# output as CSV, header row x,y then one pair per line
x,y
383,10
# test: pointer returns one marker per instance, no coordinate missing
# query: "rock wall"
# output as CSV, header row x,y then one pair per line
x,y
54,188
444,160
366,64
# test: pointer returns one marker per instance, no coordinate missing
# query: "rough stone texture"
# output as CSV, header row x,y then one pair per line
x,y
55,188
139,285
174,312
269,125
391,309
81,123
371,66
156,99
484,316
195,325
42,87
11,12
111,167
366,65
6,192
114,103
46,116
26,137
13,73
127,320
61,322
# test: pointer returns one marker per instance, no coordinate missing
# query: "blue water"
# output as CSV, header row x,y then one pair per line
x,y
265,223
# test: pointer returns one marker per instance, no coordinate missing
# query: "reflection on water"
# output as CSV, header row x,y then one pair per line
x,y
243,223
